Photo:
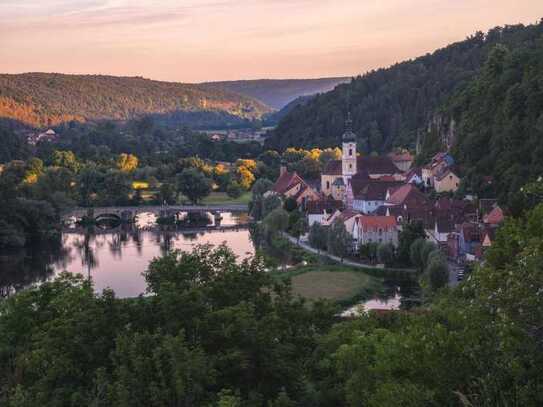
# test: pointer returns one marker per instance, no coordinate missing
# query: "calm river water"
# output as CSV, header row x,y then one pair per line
x,y
115,258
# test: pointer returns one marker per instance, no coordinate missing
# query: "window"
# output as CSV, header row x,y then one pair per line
x,y
350,151
327,184
380,232
350,166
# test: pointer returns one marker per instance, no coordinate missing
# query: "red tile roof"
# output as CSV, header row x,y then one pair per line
x,y
495,217
401,194
286,181
373,223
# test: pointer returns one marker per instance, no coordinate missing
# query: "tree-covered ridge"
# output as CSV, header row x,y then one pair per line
x,y
499,122
277,93
393,106
43,99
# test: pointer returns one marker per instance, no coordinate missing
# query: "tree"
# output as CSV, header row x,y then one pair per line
x,y
276,221
437,272
290,204
415,253
318,236
166,194
299,227
127,162
193,184
410,232
245,177
234,190
339,241
261,186
385,253
66,159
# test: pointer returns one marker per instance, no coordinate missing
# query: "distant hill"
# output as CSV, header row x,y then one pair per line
x,y
271,119
277,93
47,99
394,106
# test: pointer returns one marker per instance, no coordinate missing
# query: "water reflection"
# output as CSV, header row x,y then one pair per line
x,y
115,258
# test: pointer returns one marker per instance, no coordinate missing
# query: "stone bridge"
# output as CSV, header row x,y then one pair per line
x,y
157,229
130,212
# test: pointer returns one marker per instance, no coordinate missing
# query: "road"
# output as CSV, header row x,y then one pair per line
x,y
304,245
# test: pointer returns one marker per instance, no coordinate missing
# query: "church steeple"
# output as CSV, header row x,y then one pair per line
x,y
348,158
348,135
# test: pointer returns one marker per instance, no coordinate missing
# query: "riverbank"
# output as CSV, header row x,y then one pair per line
x,y
368,267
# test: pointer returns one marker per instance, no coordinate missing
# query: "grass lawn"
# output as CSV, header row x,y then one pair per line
x,y
335,282
216,198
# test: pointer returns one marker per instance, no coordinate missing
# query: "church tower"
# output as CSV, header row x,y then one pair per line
x,y
348,158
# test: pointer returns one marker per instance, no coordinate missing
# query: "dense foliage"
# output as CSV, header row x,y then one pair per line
x,y
42,99
216,332
391,107
499,116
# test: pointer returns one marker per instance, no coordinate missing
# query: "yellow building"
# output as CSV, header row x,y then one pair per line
x,y
447,181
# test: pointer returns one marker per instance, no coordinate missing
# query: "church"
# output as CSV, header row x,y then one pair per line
x,y
342,179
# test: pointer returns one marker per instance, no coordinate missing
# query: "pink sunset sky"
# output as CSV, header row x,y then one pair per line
x,y
200,40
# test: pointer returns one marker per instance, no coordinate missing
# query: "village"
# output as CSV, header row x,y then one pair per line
x,y
375,197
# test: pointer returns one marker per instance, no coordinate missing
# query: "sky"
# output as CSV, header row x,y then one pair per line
x,y
205,40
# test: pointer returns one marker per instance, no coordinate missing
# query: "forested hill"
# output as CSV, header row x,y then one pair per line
x,y
43,99
277,93
392,106
499,122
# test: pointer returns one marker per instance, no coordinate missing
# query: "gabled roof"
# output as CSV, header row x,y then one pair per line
x,y
401,194
412,172
333,167
323,205
376,165
376,222
495,217
379,165
443,174
286,181
375,191
444,225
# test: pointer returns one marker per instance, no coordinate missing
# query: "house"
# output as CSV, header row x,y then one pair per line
x,y
319,210
469,240
494,217
48,136
402,160
414,176
371,195
291,185
446,181
374,229
443,227
406,203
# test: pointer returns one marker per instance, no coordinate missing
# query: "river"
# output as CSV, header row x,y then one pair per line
x,y
115,258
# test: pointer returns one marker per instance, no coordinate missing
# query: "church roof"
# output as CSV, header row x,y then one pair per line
x,y
380,165
332,167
